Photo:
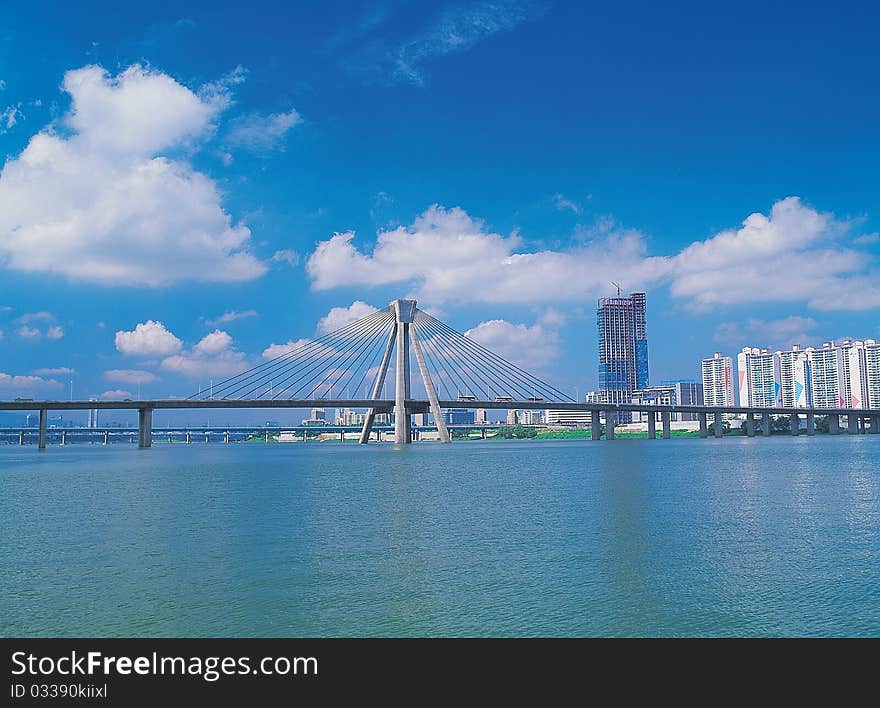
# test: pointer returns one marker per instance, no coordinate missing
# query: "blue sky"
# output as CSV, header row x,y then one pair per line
x,y
289,166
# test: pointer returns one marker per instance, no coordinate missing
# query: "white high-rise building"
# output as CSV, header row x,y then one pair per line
x,y
794,377
759,378
530,417
826,370
872,372
855,375
718,381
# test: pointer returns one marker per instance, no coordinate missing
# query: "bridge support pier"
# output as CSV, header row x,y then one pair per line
x,y
852,424
44,416
795,423
704,426
765,424
652,425
595,425
811,424
666,418
609,425
719,424
750,425
875,424
834,424
145,427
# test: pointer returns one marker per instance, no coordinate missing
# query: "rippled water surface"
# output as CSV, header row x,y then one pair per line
x,y
631,537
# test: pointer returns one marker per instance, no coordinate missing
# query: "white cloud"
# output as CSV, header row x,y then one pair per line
x,y
456,30
316,350
213,355
796,254
340,316
261,133
36,317
26,332
148,339
213,343
115,395
530,347
54,332
781,333
792,255
104,202
448,256
26,384
130,376
9,117
232,316
286,255
562,203
57,371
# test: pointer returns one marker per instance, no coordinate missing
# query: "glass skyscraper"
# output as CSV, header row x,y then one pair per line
x,y
623,349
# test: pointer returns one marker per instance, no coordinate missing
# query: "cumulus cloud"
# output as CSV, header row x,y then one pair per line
x,y
26,384
261,133
794,254
115,395
232,316
57,371
448,256
102,200
790,255
130,376
756,332
340,316
54,332
532,347
148,339
213,355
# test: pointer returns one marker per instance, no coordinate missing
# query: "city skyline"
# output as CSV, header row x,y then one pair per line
x,y
302,180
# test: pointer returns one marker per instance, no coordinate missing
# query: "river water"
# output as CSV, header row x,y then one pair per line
x,y
739,536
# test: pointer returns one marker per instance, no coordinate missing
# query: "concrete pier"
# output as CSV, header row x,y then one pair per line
x,y
834,424
595,425
704,425
44,416
145,427
765,424
795,423
719,424
666,418
852,424
750,424
811,424
652,425
609,425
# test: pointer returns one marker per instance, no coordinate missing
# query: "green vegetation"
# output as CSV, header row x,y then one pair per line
x,y
515,432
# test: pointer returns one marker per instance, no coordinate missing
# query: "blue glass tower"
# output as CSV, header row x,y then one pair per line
x,y
623,349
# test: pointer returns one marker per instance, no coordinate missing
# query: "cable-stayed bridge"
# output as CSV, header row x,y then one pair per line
x,y
403,361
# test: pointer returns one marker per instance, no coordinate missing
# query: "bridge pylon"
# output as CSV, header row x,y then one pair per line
x,y
402,334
